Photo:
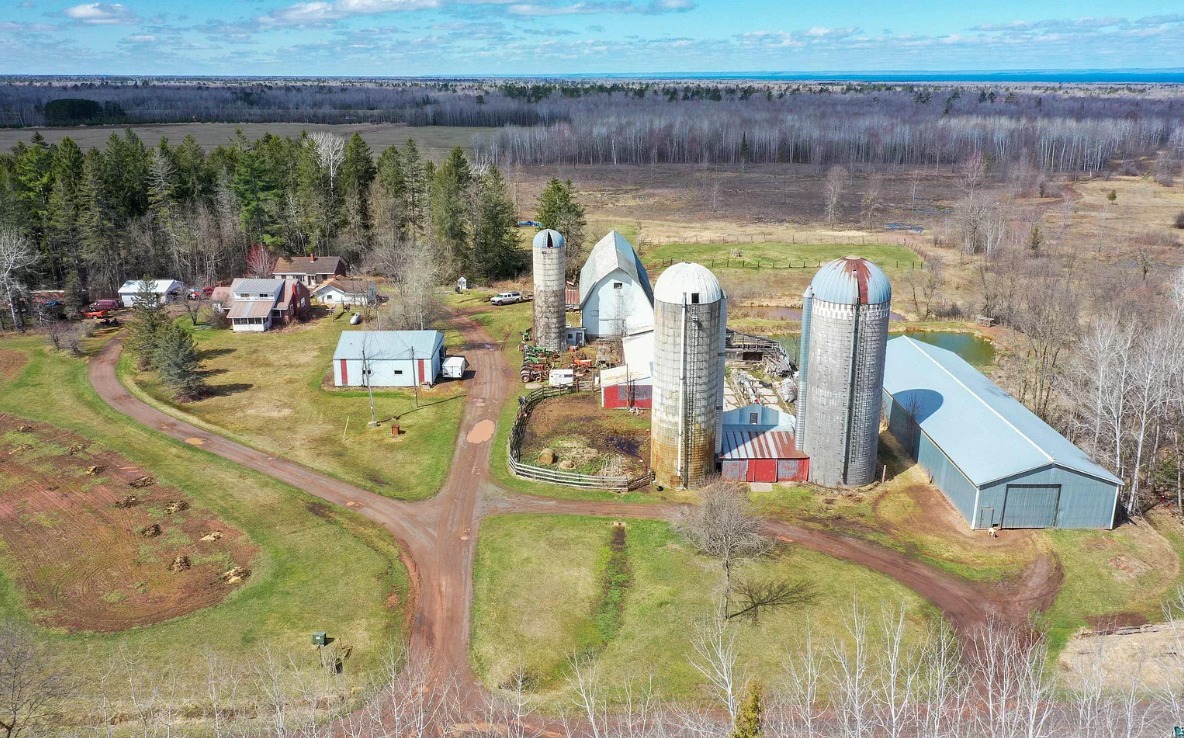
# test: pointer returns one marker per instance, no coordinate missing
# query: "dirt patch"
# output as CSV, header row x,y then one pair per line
x,y
1128,568
88,561
933,515
1150,654
587,437
11,363
1116,621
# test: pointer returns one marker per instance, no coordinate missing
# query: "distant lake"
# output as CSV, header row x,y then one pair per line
x,y
1046,76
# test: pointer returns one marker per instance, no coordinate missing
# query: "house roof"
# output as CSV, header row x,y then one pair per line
x,y
345,286
388,344
257,286
743,443
159,286
249,309
622,374
986,433
611,253
308,265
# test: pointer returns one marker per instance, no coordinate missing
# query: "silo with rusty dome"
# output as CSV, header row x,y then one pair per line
x,y
845,315
690,316
550,284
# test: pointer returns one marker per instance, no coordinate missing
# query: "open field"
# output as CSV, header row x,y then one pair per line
x,y
540,598
270,391
293,589
434,142
96,549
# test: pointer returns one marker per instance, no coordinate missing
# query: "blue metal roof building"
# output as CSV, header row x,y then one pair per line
x,y
997,462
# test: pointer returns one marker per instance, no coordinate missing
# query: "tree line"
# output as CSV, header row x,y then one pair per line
x,y
94,219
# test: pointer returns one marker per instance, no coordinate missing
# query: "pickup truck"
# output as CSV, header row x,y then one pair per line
x,y
506,298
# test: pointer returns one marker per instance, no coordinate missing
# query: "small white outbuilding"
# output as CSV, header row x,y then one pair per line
x,y
388,358
616,298
164,290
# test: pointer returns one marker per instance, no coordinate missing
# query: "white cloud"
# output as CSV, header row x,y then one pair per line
x,y
321,12
101,14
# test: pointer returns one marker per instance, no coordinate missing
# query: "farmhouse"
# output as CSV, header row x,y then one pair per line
x,y
997,462
310,270
758,446
388,358
616,298
258,304
348,292
164,290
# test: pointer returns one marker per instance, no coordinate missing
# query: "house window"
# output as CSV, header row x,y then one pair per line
x,y
754,418
398,371
264,294
617,285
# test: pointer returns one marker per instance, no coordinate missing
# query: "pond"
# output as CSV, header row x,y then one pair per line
x,y
977,351
769,312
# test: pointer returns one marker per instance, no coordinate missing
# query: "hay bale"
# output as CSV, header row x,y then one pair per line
x,y
547,456
142,482
152,531
213,535
77,448
93,470
181,563
25,428
567,464
235,575
175,506
129,501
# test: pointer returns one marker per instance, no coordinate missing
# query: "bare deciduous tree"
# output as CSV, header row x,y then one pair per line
x,y
16,255
722,526
836,178
30,682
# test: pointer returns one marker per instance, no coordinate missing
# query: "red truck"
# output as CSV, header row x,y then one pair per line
x,y
100,308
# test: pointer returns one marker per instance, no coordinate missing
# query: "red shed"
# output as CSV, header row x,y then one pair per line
x,y
753,455
622,389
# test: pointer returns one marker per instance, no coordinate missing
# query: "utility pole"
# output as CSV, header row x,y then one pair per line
x,y
369,388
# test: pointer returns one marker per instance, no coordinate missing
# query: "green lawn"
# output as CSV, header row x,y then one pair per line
x,y
312,560
269,392
540,598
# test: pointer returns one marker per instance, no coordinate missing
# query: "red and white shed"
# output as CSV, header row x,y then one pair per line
x,y
761,455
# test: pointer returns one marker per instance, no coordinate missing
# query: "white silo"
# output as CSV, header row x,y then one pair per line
x,y
690,316
841,371
550,285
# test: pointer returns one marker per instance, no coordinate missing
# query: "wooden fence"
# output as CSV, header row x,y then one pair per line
x,y
526,406
729,263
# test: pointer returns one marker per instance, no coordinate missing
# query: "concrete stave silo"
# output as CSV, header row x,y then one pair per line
x,y
845,315
550,284
690,316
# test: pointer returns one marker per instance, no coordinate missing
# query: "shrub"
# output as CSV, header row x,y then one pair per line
x,y
1180,219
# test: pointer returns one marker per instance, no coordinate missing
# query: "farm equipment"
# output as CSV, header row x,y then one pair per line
x,y
535,371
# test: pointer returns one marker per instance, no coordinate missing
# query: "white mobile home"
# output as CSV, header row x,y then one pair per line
x,y
388,358
164,290
616,298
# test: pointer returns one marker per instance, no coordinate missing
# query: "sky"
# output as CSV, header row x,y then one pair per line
x,y
557,37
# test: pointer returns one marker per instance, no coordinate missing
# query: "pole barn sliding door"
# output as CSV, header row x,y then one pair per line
x,y
762,470
1031,505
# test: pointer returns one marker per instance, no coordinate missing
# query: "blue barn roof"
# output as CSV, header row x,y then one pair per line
x,y
983,430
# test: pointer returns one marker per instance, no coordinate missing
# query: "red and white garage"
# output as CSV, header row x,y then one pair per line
x,y
755,455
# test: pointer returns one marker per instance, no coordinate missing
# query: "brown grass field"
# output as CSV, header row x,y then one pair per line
x,y
86,560
434,142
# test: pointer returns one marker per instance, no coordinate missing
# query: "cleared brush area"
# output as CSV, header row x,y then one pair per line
x,y
549,589
97,545
586,438
308,559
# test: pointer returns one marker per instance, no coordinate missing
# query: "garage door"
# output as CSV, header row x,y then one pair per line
x,y
1031,505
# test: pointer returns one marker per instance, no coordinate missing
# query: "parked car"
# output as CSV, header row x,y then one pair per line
x,y
506,298
100,308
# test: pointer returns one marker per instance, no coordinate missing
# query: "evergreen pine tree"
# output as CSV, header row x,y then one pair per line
x,y
496,252
357,172
74,296
559,210
175,359
449,203
749,719
147,325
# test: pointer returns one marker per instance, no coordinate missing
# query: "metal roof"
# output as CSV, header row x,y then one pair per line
x,y
621,374
685,278
257,286
743,443
549,239
308,265
159,286
250,309
345,286
611,253
851,281
388,344
984,431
